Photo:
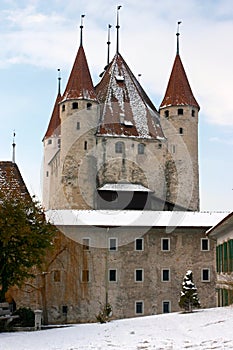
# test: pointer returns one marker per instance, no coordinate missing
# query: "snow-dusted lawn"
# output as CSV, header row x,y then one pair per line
x,y
203,329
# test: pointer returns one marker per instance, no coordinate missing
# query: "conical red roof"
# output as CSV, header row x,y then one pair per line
x,y
54,127
178,91
126,110
80,84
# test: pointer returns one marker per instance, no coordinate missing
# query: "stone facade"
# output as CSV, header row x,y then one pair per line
x,y
73,285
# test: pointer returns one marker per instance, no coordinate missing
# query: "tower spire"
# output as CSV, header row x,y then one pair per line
x,y
59,81
108,43
13,148
118,27
177,35
81,30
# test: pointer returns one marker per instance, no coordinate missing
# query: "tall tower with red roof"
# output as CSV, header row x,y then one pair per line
x,y
179,119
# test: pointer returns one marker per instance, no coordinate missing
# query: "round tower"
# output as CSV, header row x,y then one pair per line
x,y
179,118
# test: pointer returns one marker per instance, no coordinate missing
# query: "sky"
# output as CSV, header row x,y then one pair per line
x,y
202,329
38,37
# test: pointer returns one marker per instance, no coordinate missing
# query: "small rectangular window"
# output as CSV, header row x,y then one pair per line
x,y
49,141
78,126
64,310
166,306
139,244
181,131
165,275
204,244
86,243
139,307
57,276
112,275
112,244
85,145
165,244
47,174
205,275
139,275
85,275
193,113
141,148
180,111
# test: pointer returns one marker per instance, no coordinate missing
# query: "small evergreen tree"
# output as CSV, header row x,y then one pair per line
x,y
188,295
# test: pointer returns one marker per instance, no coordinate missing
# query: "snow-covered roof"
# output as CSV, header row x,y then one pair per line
x,y
134,218
124,187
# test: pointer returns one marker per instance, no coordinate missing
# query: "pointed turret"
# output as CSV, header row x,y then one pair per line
x,y
80,84
178,91
55,122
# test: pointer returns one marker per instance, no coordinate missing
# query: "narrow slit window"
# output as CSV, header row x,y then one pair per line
x,y
166,113
85,145
181,131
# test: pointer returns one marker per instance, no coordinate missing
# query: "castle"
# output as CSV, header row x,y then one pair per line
x,y
121,183
107,147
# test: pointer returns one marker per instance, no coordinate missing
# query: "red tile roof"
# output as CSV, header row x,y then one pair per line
x,y
178,91
11,180
80,84
126,110
54,127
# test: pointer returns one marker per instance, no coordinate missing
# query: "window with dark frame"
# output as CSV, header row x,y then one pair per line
x,y
139,307
112,244
166,307
205,244
139,244
139,275
180,111
165,244
165,275
205,275
112,275
75,105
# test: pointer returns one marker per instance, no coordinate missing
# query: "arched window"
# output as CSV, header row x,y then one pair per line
x,y
141,148
166,113
119,147
89,105
180,111
75,105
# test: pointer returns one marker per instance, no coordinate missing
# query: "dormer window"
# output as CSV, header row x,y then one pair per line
x,y
75,105
180,111
89,105
166,113
119,78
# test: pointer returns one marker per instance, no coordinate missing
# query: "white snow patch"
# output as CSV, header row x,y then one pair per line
x,y
202,329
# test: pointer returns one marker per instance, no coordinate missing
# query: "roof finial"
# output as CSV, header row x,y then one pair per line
x,y
59,81
178,34
81,30
108,43
117,27
13,150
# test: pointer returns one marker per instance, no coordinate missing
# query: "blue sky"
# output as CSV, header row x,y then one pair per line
x,y
39,36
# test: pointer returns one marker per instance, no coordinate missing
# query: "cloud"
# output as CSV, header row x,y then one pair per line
x,y
48,36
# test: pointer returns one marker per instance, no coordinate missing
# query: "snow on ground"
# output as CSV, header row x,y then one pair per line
x,y
203,329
